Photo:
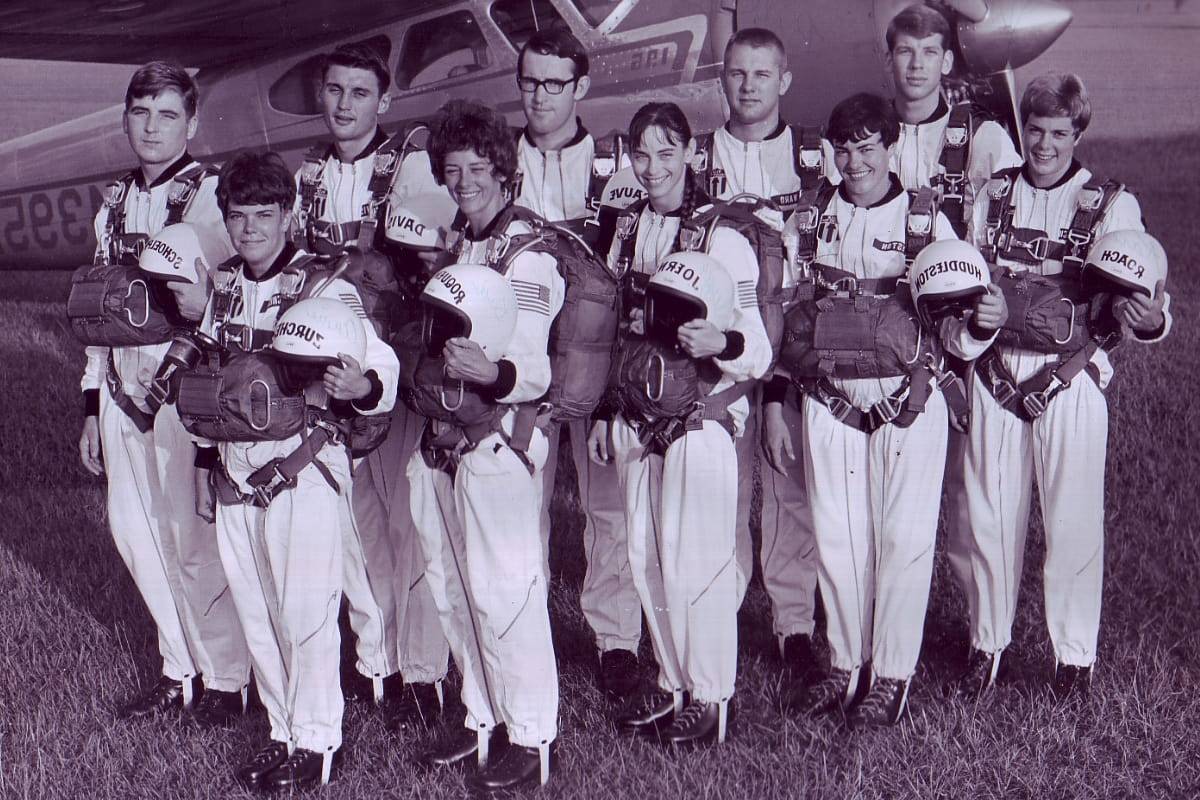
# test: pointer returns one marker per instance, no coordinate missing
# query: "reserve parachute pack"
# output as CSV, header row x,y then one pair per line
x,y
111,303
1050,314
201,388
842,326
584,333
238,396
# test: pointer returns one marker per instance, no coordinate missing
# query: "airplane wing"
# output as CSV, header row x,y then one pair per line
x,y
196,33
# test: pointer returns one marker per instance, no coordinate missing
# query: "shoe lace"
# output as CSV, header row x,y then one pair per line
x,y
691,714
881,695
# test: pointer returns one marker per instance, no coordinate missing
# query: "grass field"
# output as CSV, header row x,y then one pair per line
x,y
74,635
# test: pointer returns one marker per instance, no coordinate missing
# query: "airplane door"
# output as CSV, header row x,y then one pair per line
x,y
832,51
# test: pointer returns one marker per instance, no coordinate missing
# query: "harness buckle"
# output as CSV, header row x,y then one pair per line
x,y
839,407
952,185
1090,197
848,284
264,494
1035,403
884,411
1003,390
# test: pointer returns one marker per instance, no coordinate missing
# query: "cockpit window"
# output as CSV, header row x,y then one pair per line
x,y
296,91
596,11
449,46
520,19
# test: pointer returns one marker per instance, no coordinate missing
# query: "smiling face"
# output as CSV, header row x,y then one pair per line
x,y
754,79
351,103
1049,147
472,181
918,65
158,128
258,233
550,114
660,166
863,166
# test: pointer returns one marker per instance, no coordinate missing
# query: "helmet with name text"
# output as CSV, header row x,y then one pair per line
x,y
1126,263
946,278
182,252
688,286
421,221
471,301
311,336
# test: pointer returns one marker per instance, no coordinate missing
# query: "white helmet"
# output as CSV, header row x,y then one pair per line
x,y
687,286
1125,262
317,329
421,221
471,301
622,190
945,278
181,252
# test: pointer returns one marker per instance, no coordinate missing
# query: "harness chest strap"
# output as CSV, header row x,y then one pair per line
x,y
902,407
280,474
659,434
141,420
1029,399
955,157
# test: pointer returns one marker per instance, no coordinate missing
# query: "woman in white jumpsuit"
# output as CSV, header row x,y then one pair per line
x,y
681,500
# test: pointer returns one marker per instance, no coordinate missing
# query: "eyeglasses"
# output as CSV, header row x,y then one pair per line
x,y
551,85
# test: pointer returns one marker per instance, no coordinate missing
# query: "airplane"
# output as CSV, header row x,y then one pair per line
x,y
258,71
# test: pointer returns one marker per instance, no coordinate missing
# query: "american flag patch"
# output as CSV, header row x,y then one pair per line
x,y
354,302
532,296
747,294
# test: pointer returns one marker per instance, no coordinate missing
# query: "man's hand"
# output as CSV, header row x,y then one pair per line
x,y
776,438
465,361
599,442
700,338
89,446
206,501
346,382
991,311
1143,314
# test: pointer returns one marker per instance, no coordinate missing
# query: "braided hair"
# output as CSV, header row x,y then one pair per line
x,y
673,123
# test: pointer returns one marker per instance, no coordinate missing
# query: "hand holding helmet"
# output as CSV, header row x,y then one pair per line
x,y
470,318
1132,265
690,301
949,278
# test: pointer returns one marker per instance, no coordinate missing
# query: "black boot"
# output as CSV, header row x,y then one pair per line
x,y
618,674
462,749
418,707
884,704
652,713
165,695
217,708
1071,682
519,766
980,674
266,758
699,723
302,769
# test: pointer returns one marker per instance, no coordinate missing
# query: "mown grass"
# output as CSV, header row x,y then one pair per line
x,y
74,635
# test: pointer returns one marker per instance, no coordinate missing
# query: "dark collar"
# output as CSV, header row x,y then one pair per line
x,y
376,142
940,111
894,191
282,260
1066,176
775,134
580,134
489,230
169,173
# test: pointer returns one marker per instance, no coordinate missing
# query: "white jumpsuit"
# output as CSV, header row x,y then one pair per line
x,y
554,184
875,496
284,562
681,507
391,611
170,551
479,532
1064,450
788,555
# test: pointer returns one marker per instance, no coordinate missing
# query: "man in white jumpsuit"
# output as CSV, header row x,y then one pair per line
x,y
1065,447
283,557
169,550
757,153
391,612
477,519
875,489
556,157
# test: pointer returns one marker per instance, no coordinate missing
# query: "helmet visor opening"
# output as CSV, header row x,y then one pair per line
x,y
666,310
295,375
1097,281
440,324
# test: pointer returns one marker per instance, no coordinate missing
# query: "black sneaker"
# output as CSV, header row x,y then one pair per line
x,y
519,766
217,708
618,674
980,674
165,695
652,713
462,749
699,723
823,696
419,706
884,704
798,655
302,769
260,763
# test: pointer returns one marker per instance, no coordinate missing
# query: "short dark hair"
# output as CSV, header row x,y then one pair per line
x,y
918,21
471,125
757,37
358,56
151,80
559,42
861,115
1057,94
256,179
